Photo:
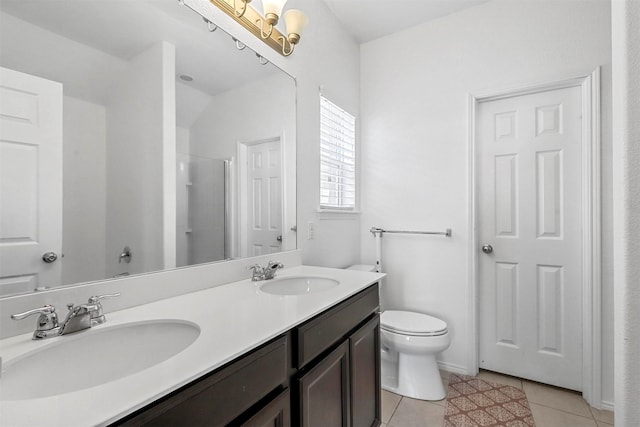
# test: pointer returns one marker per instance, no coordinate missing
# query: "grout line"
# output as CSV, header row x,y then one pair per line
x,y
561,410
395,410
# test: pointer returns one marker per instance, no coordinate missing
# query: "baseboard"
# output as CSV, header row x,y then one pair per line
x,y
607,406
455,369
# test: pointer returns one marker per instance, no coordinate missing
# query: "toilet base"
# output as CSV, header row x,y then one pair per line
x,y
415,376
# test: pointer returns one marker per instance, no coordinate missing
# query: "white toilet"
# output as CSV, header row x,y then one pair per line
x,y
410,343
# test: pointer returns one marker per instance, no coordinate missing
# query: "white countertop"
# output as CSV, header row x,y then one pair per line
x,y
233,319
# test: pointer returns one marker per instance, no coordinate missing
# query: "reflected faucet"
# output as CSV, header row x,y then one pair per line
x,y
125,255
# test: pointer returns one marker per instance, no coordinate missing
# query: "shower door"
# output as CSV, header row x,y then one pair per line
x,y
202,210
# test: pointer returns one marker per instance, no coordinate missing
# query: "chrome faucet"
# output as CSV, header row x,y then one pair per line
x,y
78,318
47,325
265,273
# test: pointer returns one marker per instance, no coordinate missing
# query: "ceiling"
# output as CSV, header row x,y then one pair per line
x,y
370,19
82,42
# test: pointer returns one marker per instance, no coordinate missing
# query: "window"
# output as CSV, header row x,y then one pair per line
x,y
337,157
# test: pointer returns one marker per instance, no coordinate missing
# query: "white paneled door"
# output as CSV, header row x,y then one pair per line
x,y
265,198
30,182
529,219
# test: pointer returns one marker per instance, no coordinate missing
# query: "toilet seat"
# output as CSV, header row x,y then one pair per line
x,y
412,323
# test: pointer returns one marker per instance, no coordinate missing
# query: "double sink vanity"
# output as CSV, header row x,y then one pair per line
x,y
299,349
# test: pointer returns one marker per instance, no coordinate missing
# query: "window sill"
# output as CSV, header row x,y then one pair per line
x,y
337,214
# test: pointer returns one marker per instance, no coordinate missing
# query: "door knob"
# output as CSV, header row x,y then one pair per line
x,y
279,238
49,257
487,249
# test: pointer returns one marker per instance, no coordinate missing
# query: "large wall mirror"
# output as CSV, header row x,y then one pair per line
x,y
135,136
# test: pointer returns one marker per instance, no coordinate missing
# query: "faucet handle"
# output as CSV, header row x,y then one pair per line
x,y
94,299
275,265
47,325
257,272
43,311
96,314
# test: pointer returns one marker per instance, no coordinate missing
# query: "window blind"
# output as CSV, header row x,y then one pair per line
x,y
337,157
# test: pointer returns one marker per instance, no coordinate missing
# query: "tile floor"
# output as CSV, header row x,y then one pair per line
x,y
551,407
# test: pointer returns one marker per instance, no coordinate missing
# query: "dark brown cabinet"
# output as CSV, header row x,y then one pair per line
x,y
324,391
364,355
339,357
276,413
324,372
343,388
219,398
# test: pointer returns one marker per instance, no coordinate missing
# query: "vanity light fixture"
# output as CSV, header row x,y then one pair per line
x,y
264,27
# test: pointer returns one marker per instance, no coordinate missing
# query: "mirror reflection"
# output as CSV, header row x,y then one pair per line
x,y
136,137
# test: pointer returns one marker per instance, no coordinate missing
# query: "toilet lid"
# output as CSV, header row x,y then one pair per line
x,y
412,323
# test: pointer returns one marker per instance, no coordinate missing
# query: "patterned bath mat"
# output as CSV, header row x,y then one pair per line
x,y
472,402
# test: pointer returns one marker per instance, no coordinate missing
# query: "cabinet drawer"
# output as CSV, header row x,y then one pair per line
x,y
224,395
323,331
276,413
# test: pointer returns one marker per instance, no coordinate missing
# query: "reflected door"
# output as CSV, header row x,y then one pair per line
x,y
530,220
264,204
30,182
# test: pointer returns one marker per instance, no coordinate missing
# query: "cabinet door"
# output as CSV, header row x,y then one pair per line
x,y
364,351
276,413
324,391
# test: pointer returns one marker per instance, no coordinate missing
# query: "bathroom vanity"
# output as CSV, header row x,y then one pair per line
x,y
259,359
324,372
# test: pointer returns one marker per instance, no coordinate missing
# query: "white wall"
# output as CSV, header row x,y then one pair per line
x,y
84,184
135,172
258,111
327,58
626,162
86,72
183,177
415,86
169,154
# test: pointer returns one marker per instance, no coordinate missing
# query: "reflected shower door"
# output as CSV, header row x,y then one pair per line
x,y
202,211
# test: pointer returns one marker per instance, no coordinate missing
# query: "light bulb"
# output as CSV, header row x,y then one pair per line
x,y
272,10
296,22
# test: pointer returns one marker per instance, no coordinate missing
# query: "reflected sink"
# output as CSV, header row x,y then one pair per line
x,y
298,285
96,356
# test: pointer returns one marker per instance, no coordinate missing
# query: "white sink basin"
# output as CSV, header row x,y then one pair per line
x,y
96,356
298,285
